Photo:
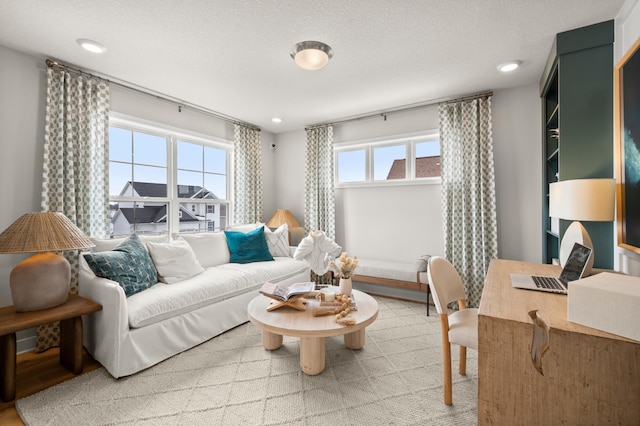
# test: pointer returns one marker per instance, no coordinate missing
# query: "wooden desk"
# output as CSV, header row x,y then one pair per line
x,y
69,314
590,377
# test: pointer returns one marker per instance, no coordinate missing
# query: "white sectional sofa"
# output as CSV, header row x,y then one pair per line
x,y
132,333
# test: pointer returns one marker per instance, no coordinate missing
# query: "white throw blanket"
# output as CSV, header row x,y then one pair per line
x,y
317,250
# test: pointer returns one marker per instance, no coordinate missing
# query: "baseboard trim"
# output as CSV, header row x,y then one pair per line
x,y
26,344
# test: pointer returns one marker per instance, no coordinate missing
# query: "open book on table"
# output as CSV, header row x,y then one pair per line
x,y
276,291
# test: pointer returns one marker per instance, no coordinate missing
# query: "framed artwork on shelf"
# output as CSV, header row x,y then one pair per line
x,y
627,135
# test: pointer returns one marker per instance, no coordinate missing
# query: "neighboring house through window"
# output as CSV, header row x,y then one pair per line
x,y
164,181
384,161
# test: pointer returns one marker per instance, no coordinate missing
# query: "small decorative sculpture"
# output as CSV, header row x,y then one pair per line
x,y
318,251
540,342
341,310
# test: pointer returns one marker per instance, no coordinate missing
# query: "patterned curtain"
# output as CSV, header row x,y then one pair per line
x,y
247,175
76,164
468,191
319,203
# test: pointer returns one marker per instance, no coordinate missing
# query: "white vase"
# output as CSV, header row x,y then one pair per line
x,y
345,286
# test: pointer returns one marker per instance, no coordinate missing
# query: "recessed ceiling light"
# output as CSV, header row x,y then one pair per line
x,y
509,66
91,46
276,120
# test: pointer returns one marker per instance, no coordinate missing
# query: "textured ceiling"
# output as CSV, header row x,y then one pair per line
x,y
233,56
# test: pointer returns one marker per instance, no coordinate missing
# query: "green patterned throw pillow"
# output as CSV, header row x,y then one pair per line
x,y
128,264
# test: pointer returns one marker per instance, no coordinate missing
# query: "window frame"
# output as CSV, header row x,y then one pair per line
x,y
173,135
409,140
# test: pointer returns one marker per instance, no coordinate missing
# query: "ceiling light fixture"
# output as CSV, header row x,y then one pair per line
x,y
91,46
311,55
509,66
276,120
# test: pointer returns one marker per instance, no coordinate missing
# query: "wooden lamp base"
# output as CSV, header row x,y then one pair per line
x,y
576,233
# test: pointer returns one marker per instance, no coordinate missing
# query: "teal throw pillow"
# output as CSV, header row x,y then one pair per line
x,y
128,264
249,247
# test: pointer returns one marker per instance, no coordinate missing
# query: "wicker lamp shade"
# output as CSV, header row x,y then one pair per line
x,y
283,216
41,281
44,231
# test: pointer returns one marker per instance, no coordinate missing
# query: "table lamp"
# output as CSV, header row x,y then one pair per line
x,y
284,216
41,281
581,199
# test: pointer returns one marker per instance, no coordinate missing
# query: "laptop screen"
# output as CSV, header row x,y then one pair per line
x,y
576,263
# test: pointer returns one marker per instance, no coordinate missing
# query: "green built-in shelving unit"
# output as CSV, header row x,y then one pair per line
x,y
577,109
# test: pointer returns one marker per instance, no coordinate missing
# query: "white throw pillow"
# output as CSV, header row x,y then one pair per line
x,y
175,261
107,244
278,240
210,247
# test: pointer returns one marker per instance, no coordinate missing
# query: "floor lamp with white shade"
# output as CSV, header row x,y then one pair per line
x,y
590,200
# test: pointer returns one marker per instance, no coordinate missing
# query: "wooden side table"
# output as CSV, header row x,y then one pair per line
x,y
69,314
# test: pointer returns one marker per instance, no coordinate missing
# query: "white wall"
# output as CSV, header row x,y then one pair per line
x,y
403,222
288,173
627,27
22,88
517,138
397,223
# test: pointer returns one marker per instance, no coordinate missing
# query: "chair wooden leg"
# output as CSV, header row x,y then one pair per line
x,y
463,361
446,356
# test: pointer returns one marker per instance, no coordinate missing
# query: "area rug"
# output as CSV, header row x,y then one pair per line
x,y
396,379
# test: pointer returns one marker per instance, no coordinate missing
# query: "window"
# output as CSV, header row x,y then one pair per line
x,y
427,159
390,162
384,161
161,181
352,166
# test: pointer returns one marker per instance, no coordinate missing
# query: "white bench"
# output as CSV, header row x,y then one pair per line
x,y
392,274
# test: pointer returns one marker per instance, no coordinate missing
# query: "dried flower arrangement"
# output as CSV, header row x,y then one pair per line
x,y
345,266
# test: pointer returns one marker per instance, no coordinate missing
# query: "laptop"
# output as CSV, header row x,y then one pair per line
x,y
573,270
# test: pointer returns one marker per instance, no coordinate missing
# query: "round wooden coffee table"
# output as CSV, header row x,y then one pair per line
x,y
311,330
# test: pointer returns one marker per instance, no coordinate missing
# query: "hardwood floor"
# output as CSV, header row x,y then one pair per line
x,y
36,372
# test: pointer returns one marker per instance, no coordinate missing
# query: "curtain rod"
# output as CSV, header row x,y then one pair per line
x,y
161,96
468,98
404,108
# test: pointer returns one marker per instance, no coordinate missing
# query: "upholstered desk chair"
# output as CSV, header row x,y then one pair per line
x,y
459,327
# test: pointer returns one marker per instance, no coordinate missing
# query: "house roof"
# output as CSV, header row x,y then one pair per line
x,y
148,189
148,214
425,167
153,214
